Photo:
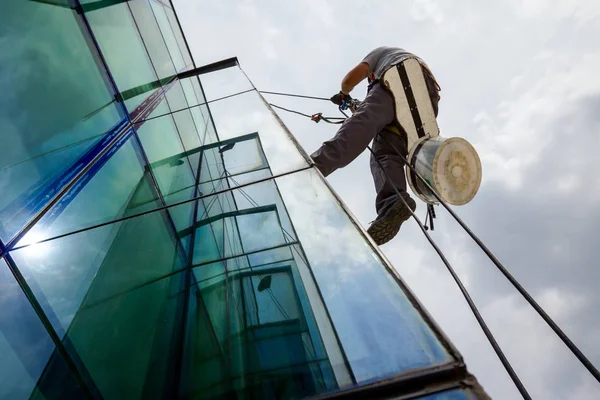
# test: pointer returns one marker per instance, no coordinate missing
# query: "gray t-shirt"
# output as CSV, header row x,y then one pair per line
x,y
382,58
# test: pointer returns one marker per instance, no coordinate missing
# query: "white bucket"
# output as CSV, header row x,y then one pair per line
x,y
450,166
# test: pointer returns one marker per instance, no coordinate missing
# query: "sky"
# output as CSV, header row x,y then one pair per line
x,y
519,82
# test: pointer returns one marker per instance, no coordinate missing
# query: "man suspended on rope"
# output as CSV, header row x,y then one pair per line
x,y
373,120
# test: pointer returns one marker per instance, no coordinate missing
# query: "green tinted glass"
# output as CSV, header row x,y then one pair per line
x,y
55,106
124,51
168,35
114,188
115,298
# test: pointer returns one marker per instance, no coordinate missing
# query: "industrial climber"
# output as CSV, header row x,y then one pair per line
x,y
374,119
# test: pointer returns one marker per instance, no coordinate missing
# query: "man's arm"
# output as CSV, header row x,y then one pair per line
x,y
354,77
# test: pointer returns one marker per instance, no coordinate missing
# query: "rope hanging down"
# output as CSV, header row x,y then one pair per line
x,y
553,325
431,214
490,336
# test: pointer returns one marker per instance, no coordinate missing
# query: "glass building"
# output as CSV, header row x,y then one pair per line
x,y
156,243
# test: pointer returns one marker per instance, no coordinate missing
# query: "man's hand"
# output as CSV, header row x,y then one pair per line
x,y
341,98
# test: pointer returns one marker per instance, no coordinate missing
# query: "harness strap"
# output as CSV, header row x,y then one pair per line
x,y
395,127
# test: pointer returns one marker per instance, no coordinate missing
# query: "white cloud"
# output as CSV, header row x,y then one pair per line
x,y
426,10
512,138
581,10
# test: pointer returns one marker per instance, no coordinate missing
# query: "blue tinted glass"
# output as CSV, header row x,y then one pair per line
x,y
30,367
115,297
57,101
250,330
30,185
117,185
380,330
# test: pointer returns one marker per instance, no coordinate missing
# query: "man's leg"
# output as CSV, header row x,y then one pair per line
x,y
391,210
392,164
353,137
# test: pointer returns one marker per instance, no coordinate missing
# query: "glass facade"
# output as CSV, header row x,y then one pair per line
x,y
156,243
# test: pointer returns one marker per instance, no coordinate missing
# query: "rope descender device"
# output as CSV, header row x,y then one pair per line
x,y
316,117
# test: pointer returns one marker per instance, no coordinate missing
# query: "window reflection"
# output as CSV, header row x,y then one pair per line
x,y
124,51
117,186
246,113
56,107
379,328
27,349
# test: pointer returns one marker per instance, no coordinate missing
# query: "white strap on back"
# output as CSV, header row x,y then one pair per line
x,y
391,78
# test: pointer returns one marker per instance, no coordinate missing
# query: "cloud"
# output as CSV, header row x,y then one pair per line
x,y
512,140
426,10
580,10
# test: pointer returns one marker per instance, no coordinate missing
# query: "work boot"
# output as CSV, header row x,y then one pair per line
x,y
388,223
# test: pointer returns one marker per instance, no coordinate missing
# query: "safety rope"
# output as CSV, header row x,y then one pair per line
x,y
295,95
509,369
315,117
431,214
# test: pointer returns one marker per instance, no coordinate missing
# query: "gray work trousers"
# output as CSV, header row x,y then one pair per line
x,y
355,134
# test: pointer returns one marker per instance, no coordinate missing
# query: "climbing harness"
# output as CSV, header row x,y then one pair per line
x,y
451,166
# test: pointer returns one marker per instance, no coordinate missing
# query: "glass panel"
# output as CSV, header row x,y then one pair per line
x,y
179,37
161,142
246,113
124,52
199,113
35,181
224,82
147,102
240,213
115,292
113,188
188,89
30,367
169,37
202,122
187,129
242,155
183,94
380,330
56,102
176,97
247,333
176,172
198,90
153,38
